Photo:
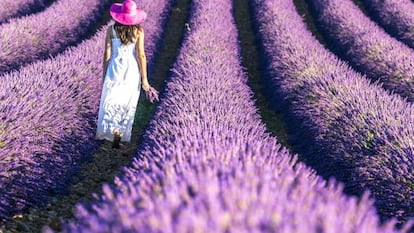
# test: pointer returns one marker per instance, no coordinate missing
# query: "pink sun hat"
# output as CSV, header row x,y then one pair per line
x,y
127,13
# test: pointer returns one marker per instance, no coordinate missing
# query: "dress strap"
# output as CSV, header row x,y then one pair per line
x,y
114,31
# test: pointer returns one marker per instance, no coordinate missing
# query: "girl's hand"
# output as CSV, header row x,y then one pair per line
x,y
145,86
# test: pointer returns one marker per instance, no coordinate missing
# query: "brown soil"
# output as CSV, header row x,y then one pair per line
x,y
251,61
304,10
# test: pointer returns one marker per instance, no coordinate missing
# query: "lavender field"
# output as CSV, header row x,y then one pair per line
x,y
273,116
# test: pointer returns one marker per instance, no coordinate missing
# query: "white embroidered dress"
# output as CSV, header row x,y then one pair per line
x,y
120,92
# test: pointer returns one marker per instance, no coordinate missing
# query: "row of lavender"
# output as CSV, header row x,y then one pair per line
x,y
39,36
367,47
206,163
16,8
395,16
48,111
355,130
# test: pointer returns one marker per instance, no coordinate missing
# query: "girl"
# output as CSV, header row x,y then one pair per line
x,y
125,71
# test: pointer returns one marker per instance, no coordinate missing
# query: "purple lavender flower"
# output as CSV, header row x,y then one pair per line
x,y
152,95
39,36
16,8
396,16
366,46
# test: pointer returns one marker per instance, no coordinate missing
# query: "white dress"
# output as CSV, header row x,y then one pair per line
x,y
120,92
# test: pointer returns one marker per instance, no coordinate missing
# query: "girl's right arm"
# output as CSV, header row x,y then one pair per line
x,y
107,52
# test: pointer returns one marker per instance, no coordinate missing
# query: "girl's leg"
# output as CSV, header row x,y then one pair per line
x,y
117,139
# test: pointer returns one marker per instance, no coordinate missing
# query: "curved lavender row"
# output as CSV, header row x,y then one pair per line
x,y
366,46
206,163
350,129
15,8
48,111
47,33
396,16
242,187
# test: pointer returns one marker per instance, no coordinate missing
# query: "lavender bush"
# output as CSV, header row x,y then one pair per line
x,y
48,111
344,126
366,46
15,8
206,163
395,16
45,34
244,187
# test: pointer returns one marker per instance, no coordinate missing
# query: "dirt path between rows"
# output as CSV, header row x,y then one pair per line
x,y
251,61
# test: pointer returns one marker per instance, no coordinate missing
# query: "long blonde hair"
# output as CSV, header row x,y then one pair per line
x,y
127,33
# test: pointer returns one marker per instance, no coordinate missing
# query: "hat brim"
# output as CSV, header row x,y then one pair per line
x,y
127,19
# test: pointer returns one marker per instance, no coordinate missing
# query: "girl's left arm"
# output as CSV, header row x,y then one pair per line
x,y
142,60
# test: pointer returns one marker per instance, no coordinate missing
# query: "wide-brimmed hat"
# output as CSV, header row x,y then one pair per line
x,y
127,13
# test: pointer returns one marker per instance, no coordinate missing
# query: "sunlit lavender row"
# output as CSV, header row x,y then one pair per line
x,y
206,163
16,8
241,187
367,47
65,22
396,16
39,150
345,126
